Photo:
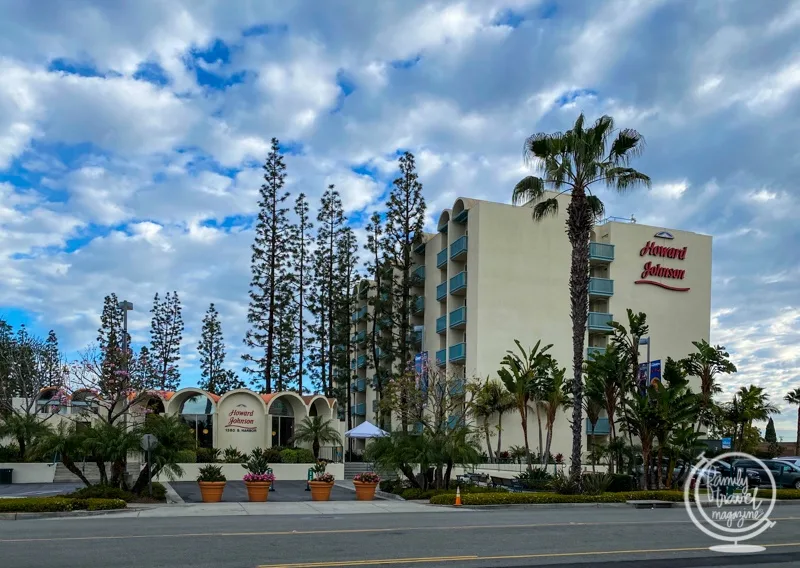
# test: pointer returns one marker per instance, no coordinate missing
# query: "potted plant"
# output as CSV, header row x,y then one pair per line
x,y
365,484
212,483
322,483
259,478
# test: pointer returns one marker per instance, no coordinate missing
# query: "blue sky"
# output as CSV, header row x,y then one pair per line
x,y
131,136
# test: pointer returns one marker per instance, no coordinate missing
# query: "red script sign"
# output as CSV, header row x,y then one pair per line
x,y
658,271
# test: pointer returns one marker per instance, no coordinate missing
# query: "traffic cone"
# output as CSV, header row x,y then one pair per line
x,y
458,497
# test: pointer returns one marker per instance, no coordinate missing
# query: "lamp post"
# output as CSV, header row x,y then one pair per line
x,y
646,341
125,306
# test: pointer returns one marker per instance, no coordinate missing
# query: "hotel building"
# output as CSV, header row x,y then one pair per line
x,y
491,275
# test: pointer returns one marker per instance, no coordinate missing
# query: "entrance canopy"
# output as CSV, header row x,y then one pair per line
x,y
366,430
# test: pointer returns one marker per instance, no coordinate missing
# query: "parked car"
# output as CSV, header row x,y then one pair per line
x,y
784,473
722,468
794,460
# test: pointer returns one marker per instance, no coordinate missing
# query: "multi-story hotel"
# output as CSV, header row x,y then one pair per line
x,y
492,275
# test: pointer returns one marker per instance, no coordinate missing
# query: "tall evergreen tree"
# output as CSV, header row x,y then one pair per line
x,y
114,362
286,339
405,218
53,365
345,300
770,435
166,333
213,376
302,281
268,266
330,224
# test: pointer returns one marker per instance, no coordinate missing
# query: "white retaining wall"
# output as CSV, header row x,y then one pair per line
x,y
31,472
235,472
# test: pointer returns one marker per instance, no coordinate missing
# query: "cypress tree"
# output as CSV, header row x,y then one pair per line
x,y
214,377
345,300
268,266
770,435
53,367
166,333
302,280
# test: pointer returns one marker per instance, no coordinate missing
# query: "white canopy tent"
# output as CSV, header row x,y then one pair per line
x,y
365,431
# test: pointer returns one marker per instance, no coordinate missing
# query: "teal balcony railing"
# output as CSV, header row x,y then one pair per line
x,y
361,385
360,336
458,352
600,429
441,291
601,287
601,251
457,387
353,364
458,318
441,324
415,336
361,409
352,410
600,321
441,357
360,314
441,258
419,305
458,283
418,276
462,217
362,361
459,248
592,351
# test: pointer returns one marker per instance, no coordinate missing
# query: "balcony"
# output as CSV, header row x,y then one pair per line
x,y
458,318
600,429
420,248
352,364
458,284
360,314
441,357
601,252
360,336
600,322
419,305
441,292
418,276
458,353
375,405
441,258
362,361
375,382
441,324
462,217
457,387
458,249
383,354
415,336
361,409
603,287
361,385
591,352
453,422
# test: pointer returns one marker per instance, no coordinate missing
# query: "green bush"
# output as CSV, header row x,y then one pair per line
x,y
304,455
564,484
211,474
9,453
787,494
207,455
657,495
288,456
232,455
102,492
621,482
392,486
595,483
506,498
187,456
57,504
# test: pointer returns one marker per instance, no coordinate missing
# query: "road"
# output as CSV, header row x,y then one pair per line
x,y
576,536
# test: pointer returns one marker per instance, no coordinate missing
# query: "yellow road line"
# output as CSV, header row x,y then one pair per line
x,y
432,559
353,531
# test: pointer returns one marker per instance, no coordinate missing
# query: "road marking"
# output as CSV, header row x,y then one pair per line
x,y
352,531
474,558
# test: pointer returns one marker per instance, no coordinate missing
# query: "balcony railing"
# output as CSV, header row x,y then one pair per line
x,y
458,318
360,336
419,305
600,429
361,409
600,322
415,336
462,217
603,252
360,314
457,387
458,283
362,361
441,291
601,287
591,352
441,324
441,258
361,385
459,248
418,276
441,357
458,352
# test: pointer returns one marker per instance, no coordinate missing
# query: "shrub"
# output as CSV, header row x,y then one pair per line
x,y
232,455
535,478
621,482
289,456
207,455
104,504
596,483
304,455
257,462
211,473
9,453
787,494
392,485
187,456
57,504
564,484
506,498
103,492
274,455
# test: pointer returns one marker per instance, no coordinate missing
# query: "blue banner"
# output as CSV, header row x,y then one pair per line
x,y
655,371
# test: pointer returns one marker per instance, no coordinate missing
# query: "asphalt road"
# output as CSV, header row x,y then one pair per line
x,y
619,537
236,492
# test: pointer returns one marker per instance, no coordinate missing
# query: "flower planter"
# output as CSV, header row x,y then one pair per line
x,y
211,491
320,490
365,491
258,491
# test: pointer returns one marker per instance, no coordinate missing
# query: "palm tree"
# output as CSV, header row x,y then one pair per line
x,y
317,431
22,427
63,441
793,397
593,405
755,406
706,363
491,398
175,442
517,372
607,375
571,162
627,342
555,398
642,420
111,443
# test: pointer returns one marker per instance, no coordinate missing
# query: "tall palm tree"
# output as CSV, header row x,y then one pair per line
x,y
627,342
793,397
706,364
642,420
317,431
572,162
517,372
755,406
174,442
555,397
491,398
607,374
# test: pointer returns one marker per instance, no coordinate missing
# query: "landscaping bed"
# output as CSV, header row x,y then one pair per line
x,y
58,504
106,492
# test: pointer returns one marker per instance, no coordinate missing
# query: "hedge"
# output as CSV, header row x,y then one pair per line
x,y
58,504
415,493
108,492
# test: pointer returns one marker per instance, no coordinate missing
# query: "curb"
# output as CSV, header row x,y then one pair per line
x,y
56,514
676,505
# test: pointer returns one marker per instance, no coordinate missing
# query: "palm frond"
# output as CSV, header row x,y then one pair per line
x,y
628,143
597,207
530,188
546,208
624,179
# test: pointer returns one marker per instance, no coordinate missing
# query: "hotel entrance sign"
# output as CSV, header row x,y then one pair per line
x,y
652,270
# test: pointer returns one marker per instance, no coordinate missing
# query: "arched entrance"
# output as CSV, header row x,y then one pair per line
x,y
281,416
197,412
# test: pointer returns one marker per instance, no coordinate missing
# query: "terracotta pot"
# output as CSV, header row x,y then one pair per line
x,y
258,491
211,490
320,490
365,491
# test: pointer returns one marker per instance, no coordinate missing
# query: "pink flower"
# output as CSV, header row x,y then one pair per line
x,y
259,477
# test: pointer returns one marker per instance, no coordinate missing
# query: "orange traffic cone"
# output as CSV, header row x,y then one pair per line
x,y
458,497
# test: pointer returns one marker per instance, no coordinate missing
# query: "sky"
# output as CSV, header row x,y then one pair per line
x,y
132,133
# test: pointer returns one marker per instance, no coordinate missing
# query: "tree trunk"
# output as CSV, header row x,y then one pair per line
x,y
70,465
499,434
542,457
646,463
549,427
448,471
21,445
488,439
315,448
579,225
594,458
660,469
524,415
797,440
101,466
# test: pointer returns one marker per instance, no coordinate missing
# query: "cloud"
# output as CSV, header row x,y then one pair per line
x,y
132,135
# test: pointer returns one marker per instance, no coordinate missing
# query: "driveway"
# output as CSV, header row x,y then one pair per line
x,y
37,489
236,492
